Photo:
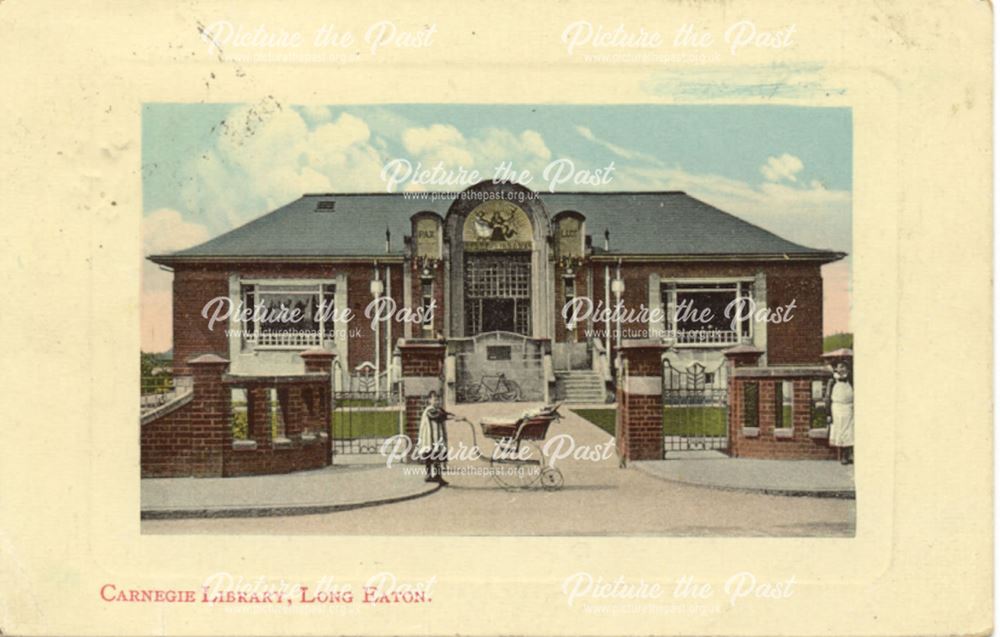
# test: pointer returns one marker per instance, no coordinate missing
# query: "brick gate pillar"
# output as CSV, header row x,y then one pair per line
x,y
210,415
321,361
639,426
422,363
739,356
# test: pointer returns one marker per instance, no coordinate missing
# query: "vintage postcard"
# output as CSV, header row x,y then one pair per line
x,y
535,320
527,316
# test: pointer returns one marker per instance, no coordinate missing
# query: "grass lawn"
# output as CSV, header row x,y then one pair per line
x,y
677,421
365,424
347,425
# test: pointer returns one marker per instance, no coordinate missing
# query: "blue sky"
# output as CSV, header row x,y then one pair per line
x,y
730,141
210,167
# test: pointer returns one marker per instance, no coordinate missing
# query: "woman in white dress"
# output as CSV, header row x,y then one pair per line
x,y
840,395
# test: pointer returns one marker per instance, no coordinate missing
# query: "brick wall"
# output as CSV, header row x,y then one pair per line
x,y
799,341
196,438
765,443
194,286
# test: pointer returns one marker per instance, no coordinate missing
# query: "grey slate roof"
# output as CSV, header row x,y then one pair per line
x,y
641,223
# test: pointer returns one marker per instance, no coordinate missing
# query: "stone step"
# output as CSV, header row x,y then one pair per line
x,y
581,386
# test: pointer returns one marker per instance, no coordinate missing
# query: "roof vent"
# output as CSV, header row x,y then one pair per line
x,y
326,205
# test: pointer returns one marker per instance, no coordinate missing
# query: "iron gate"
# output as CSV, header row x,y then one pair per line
x,y
695,408
363,420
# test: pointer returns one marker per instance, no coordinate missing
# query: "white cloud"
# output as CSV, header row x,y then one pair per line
x,y
317,114
620,151
482,152
266,156
166,230
419,141
784,167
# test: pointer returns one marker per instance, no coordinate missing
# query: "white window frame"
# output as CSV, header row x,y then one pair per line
x,y
669,306
296,340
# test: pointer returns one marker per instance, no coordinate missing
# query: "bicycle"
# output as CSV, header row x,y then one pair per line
x,y
503,390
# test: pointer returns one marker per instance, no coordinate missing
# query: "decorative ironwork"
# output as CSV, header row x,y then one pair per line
x,y
695,407
569,265
363,420
426,265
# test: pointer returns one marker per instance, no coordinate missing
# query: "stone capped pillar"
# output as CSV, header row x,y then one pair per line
x,y
210,415
320,361
639,426
743,355
422,363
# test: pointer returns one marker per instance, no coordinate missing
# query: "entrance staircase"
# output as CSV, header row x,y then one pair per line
x,y
580,386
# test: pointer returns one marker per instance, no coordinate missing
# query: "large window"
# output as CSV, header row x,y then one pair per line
x,y
288,316
497,293
702,313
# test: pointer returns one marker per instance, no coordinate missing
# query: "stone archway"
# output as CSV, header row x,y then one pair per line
x,y
497,262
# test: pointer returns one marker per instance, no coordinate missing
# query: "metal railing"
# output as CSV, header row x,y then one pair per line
x,y
706,337
285,339
156,390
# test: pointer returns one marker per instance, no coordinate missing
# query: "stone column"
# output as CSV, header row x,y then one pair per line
x,y
639,429
422,364
210,415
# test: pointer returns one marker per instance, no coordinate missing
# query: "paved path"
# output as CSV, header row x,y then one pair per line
x,y
336,488
817,478
598,498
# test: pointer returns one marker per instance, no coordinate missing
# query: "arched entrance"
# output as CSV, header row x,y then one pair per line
x,y
498,262
497,273
497,269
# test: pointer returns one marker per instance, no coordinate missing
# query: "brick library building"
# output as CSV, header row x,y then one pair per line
x,y
523,295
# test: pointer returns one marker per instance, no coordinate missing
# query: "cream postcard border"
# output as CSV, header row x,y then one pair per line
x,y
918,81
